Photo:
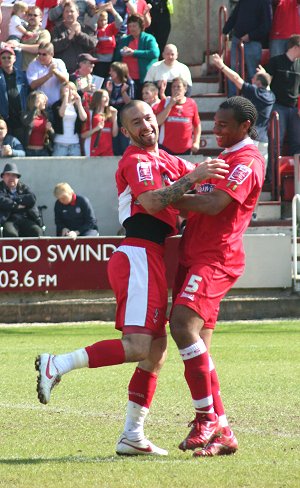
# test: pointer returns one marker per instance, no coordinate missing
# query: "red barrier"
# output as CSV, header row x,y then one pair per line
x,y
53,264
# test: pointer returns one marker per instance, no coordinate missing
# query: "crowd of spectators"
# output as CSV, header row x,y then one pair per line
x,y
69,66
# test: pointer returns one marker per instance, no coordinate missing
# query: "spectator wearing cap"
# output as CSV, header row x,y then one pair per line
x,y
46,73
70,38
83,77
19,215
10,146
13,93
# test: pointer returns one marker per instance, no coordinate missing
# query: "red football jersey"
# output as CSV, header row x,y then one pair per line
x,y
176,133
286,20
140,171
217,239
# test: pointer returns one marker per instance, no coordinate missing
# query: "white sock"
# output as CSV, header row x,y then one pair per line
x,y
135,418
72,360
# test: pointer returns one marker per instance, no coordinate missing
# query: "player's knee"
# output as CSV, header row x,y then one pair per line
x,y
136,348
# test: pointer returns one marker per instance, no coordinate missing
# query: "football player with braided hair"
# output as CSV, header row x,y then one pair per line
x,y
211,258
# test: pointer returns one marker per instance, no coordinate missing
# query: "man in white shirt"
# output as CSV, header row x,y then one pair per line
x,y
46,73
169,68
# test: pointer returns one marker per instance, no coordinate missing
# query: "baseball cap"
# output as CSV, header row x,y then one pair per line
x,y
7,49
86,57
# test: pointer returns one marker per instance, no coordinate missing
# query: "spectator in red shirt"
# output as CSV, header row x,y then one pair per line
x,y
38,129
179,121
100,127
286,22
106,39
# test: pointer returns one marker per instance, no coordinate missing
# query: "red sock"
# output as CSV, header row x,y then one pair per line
x,y
216,394
197,375
142,387
106,353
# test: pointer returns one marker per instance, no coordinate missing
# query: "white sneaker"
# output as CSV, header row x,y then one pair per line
x,y
125,447
48,376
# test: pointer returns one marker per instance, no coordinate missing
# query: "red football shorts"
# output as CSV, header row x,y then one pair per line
x,y
201,288
137,275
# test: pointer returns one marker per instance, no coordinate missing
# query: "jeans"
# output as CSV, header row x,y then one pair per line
x,y
289,124
253,53
36,152
66,149
277,46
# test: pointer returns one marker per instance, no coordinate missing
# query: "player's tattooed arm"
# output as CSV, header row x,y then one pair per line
x,y
156,200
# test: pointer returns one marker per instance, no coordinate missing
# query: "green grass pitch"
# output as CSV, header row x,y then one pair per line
x,y
70,442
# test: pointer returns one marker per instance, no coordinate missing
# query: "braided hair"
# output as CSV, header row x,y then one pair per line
x,y
243,110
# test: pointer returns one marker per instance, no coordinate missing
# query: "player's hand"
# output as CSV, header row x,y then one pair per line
x,y
211,168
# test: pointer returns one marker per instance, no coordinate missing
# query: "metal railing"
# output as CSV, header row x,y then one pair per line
x,y
296,275
274,156
222,46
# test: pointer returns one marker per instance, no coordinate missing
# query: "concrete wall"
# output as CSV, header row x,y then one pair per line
x,y
92,177
188,27
189,23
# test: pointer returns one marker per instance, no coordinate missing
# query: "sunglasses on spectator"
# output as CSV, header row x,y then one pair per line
x,y
43,54
6,57
33,15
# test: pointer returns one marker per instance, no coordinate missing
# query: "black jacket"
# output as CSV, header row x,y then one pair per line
x,y
9,203
58,120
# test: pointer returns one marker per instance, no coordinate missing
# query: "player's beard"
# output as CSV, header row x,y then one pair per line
x,y
146,141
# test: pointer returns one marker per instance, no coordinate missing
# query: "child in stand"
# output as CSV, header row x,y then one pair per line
x,y
17,25
17,30
121,91
100,127
150,94
106,39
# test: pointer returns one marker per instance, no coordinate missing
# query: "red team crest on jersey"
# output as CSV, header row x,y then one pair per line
x,y
240,174
144,171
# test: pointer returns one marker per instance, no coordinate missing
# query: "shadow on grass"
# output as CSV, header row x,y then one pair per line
x,y
62,460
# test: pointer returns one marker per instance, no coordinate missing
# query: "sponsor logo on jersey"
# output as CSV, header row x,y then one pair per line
x,y
144,171
185,120
188,295
205,188
240,174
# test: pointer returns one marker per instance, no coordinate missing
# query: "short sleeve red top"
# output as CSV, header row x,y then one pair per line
x,y
217,239
176,133
140,171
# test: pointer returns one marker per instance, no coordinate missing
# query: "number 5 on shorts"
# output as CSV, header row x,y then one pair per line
x,y
193,284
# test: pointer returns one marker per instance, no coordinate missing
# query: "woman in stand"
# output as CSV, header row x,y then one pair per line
x,y
38,129
121,91
68,115
100,127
